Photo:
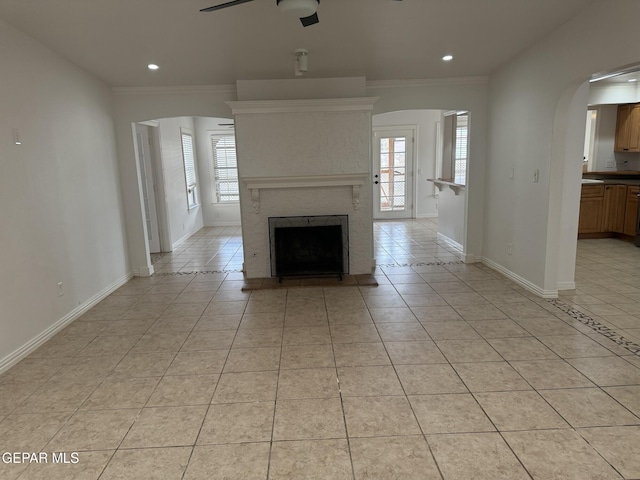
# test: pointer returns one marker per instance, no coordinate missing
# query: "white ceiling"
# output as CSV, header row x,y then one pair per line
x,y
379,39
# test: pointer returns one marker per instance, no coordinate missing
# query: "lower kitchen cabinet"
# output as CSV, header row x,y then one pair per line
x,y
631,211
591,208
607,210
615,201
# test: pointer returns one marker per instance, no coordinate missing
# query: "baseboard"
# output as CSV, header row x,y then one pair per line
x,y
224,224
427,215
519,280
566,285
459,249
7,362
450,242
177,243
145,271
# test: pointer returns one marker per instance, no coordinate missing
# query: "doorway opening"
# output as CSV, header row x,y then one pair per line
x,y
189,194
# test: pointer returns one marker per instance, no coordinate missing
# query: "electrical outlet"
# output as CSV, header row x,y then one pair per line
x,y
512,173
510,248
536,176
60,289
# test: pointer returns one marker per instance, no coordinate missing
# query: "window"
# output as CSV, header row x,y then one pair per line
x,y
461,149
225,169
455,147
189,169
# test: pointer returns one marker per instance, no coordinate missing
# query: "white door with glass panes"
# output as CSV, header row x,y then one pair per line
x,y
393,173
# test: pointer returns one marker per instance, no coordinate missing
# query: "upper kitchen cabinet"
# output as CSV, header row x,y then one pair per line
x,y
628,128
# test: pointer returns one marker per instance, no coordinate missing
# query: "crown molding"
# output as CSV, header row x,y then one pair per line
x,y
428,82
313,105
193,89
216,89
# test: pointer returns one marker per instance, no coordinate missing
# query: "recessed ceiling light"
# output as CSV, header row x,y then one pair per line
x,y
153,66
447,58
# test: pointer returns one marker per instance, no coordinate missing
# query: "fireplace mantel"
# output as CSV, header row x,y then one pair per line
x,y
353,180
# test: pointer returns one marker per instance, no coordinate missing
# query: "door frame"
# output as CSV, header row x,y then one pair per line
x,y
157,172
411,163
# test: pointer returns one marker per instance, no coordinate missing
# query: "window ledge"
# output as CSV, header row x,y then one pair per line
x,y
439,183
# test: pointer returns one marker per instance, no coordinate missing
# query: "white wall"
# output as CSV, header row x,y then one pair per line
x,y
525,135
183,221
612,94
61,215
213,213
605,137
425,146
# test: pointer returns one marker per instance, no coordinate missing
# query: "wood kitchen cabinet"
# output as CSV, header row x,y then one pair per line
x,y
628,128
613,210
608,211
631,211
591,208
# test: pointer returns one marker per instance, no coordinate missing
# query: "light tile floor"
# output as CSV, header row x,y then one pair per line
x,y
444,370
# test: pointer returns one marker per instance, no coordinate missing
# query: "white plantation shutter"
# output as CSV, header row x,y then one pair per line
x,y
189,168
461,149
225,168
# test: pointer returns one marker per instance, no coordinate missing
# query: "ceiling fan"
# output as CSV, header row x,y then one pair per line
x,y
306,10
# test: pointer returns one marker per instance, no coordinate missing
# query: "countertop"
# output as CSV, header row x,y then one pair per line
x,y
625,177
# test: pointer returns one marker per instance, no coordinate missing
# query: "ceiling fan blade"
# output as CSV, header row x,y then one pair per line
x,y
310,20
225,5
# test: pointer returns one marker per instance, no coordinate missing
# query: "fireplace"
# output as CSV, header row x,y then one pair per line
x,y
309,245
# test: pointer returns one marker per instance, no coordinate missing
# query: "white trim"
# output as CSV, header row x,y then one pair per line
x,y
306,181
197,89
459,249
224,224
177,243
353,180
519,280
7,362
303,106
566,285
469,258
427,215
428,82
145,271
150,123
450,242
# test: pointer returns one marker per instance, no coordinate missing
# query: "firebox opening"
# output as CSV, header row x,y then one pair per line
x,y
309,246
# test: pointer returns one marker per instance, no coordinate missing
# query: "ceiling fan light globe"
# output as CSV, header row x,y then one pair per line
x,y
298,8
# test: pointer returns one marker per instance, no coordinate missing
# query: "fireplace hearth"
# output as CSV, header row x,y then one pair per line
x,y
309,245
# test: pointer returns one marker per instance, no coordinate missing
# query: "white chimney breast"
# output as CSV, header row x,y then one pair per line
x,y
304,157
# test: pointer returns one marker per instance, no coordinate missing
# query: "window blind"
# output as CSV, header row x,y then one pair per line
x,y
225,168
461,149
189,161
